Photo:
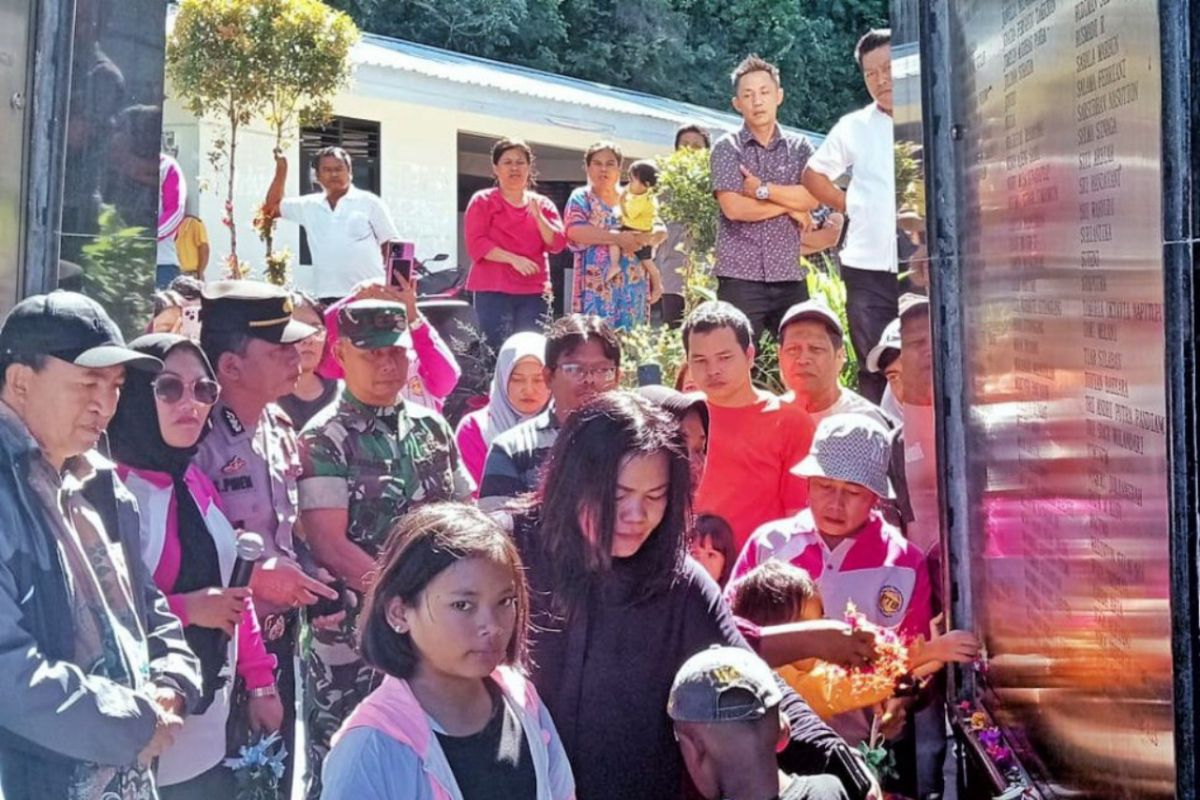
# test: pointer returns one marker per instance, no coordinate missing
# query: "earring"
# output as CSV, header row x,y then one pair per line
x,y
396,628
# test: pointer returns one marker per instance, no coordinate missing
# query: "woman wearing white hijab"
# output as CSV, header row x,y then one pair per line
x,y
519,392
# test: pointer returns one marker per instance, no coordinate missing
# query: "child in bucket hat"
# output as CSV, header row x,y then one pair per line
x,y
842,539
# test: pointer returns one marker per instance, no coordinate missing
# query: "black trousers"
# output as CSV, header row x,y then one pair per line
x,y
281,643
216,782
872,301
764,303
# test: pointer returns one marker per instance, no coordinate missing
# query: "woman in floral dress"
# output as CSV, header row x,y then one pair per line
x,y
593,224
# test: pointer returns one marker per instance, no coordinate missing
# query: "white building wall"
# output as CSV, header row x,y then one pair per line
x,y
420,118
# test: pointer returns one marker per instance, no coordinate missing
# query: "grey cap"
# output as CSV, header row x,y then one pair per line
x,y
849,447
723,684
888,340
812,310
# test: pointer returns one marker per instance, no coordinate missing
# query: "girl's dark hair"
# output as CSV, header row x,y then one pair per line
x,y
600,147
720,535
420,547
773,593
645,171
581,476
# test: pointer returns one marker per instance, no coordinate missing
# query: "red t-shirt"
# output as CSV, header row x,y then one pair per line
x,y
491,221
751,452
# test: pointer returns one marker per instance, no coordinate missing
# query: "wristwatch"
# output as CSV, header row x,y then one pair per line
x,y
265,691
762,192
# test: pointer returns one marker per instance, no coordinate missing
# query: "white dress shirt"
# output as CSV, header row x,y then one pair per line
x,y
862,142
344,241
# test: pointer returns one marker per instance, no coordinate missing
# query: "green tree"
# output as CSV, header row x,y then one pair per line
x,y
681,49
307,61
217,67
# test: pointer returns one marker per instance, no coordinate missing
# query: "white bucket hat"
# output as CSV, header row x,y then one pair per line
x,y
849,447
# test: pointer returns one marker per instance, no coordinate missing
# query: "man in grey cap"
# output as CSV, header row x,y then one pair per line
x,y
812,353
366,460
725,707
252,456
96,670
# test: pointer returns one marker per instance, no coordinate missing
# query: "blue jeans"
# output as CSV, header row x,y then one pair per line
x,y
501,315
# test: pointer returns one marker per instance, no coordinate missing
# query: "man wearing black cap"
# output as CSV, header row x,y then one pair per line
x,y
96,670
252,457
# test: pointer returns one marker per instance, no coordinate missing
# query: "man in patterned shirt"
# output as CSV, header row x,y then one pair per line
x,y
365,461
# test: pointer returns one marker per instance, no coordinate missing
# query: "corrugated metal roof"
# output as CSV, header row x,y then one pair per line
x,y
385,52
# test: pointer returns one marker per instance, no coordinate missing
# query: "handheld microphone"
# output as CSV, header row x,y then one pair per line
x,y
249,551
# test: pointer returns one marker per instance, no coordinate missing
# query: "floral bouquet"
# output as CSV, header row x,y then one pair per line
x,y
258,768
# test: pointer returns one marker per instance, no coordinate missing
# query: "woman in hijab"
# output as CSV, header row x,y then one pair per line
x,y
519,392
190,547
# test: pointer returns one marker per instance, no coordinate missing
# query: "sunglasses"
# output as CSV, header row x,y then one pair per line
x,y
170,389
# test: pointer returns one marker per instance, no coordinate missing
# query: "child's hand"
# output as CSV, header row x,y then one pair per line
x,y
960,647
839,644
892,716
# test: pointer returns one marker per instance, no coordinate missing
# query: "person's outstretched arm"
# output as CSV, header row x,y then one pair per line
x,y
275,190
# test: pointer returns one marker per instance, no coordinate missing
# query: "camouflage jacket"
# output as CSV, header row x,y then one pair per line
x,y
378,463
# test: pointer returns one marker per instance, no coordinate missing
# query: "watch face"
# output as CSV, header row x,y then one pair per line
x,y
761,192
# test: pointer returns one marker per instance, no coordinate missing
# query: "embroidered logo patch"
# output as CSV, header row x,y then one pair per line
x,y
891,600
235,464
232,422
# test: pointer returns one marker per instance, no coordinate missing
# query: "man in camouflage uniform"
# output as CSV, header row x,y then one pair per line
x,y
252,457
365,461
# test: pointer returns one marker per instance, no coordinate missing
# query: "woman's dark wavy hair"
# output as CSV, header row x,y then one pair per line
x,y
581,476
421,546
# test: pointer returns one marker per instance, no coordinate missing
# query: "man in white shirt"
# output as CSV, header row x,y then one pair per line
x,y
812,352
348,228
861,142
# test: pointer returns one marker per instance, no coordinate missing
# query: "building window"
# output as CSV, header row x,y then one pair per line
x,y
359,138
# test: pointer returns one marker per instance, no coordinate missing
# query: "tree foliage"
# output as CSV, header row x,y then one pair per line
x,y
682,49
240,59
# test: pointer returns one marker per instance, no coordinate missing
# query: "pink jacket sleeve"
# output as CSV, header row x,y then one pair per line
x,y
435,361
471,448
255,665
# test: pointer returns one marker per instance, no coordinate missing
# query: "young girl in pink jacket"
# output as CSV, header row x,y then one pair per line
x,y
454,719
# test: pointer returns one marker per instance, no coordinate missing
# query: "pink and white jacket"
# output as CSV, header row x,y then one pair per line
x,y
884,574
200,745
356,769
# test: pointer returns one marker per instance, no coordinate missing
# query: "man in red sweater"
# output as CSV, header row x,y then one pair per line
x,y
754,438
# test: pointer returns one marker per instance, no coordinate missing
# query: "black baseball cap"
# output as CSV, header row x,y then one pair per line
x,y
70,327
257,309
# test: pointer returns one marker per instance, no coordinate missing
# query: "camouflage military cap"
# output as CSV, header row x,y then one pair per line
x,y
374,324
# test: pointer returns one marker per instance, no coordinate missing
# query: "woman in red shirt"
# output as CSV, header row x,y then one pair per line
x,y
509,230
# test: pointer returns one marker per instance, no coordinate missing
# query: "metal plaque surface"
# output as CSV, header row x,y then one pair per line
x,y
1060,179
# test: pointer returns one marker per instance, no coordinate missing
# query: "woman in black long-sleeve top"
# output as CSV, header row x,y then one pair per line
x,y
617,606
